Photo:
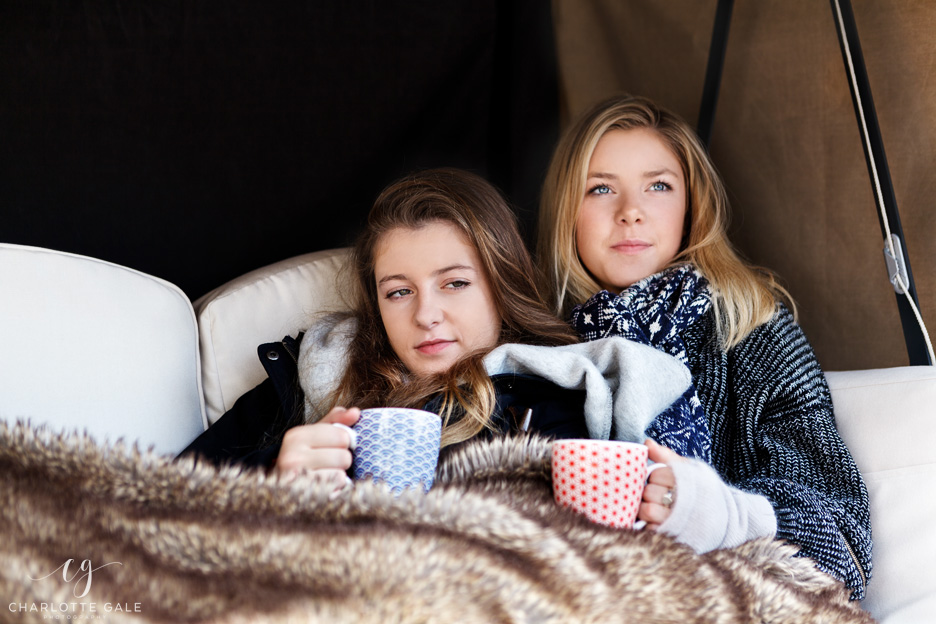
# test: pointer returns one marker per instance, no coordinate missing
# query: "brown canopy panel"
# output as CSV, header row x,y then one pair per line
x,y
786,140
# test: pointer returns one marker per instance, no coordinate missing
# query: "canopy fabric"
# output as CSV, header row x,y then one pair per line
x,y
786,141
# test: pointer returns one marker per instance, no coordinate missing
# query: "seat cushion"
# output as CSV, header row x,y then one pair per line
x,y
90,345
259,307
887,417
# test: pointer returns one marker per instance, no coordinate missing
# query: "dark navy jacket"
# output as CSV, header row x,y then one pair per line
x,y
250,433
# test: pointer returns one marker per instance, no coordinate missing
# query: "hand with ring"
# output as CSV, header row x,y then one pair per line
x,y
660,493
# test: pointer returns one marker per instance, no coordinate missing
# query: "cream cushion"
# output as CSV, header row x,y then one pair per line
x,y
261,306
887,417
92,346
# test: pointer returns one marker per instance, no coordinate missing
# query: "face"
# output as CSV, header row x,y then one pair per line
x,y
434,297
630,224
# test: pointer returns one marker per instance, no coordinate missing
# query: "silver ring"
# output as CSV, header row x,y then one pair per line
x,y
667,499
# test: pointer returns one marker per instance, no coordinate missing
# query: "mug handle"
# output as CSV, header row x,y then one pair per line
x,y
352,443
640,524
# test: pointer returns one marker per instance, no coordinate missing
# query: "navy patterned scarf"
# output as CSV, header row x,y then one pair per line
x,y
655,311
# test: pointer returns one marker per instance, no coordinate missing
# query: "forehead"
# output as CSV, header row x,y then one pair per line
x,y
636,147
435,243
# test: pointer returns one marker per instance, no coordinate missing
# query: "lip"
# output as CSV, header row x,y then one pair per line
x,y
631,246
431,347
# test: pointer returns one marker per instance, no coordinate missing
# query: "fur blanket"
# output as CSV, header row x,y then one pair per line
x,y
109,532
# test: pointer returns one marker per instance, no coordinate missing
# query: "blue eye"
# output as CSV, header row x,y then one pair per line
x,y
600,189
660,186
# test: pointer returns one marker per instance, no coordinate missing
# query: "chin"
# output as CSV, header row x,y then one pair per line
x,y
435,368
626,281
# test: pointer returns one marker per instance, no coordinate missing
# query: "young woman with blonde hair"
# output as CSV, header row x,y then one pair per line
x,y
633,242
745,296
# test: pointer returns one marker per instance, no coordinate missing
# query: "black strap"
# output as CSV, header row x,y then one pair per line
x,y
713,73
876,159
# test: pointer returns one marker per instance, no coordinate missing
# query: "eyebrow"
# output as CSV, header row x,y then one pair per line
x,y
647,174
658,172
443,270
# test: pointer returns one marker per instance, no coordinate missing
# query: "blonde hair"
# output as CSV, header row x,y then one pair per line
x,y
744,296
375,375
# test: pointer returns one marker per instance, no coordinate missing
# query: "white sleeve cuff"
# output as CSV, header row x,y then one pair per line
x,y
709,514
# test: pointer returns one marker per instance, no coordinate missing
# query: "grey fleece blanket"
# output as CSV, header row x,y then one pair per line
x,y
626,383
123,535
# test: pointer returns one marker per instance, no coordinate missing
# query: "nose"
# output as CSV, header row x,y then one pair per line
x,y
629,210
428,313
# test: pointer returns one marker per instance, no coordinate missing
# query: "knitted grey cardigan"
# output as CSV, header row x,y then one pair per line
x,y
773,433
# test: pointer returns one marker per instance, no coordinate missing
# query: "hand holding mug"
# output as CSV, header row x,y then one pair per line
x,y
660,493
396,446
319,447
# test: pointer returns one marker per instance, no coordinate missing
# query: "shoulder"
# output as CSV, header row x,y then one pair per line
x,y
781,332
334,330
779,351
327,342
323,358
782,320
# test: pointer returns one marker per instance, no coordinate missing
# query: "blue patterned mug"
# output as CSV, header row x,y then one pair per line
x,y
397,446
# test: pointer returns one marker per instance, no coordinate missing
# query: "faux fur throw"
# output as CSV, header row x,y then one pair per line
x,y
126,535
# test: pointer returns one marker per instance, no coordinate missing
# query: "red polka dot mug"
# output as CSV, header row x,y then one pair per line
x,y
602,479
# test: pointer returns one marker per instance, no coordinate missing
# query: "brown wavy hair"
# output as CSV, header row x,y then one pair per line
x,y
375,375
744,296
